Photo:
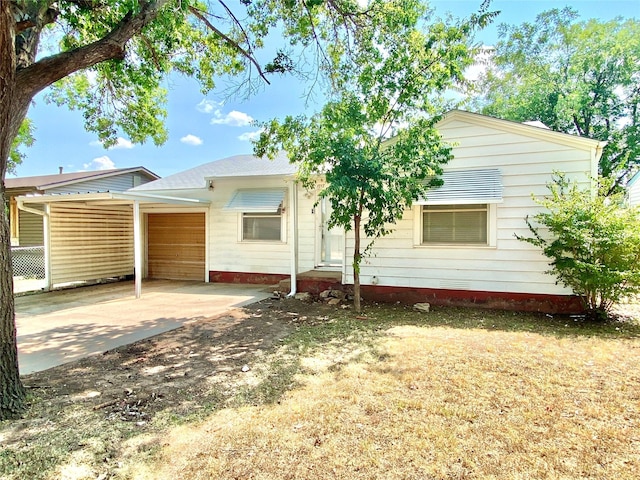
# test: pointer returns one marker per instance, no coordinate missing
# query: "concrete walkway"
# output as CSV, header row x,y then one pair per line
x,y
62,326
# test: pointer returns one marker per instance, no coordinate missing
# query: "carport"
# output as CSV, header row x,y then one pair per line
x,y
94,236
65,325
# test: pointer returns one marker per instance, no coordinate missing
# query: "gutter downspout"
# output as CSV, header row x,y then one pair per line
x,y
23,207
46,236
293,226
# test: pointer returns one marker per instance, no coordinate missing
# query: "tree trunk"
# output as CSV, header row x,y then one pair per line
x,y
357,258
12,393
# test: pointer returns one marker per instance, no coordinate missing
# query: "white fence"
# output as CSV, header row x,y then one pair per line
x,y
28,262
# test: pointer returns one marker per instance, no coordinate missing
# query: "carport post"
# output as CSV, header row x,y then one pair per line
x,y
137,248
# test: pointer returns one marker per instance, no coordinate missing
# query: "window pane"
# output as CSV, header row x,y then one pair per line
x,y
261,227
454,224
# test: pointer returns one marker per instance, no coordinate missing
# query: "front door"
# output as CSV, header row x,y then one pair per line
x,y
331,239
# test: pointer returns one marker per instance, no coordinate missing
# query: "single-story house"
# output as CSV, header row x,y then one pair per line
x,y
633,190
250,221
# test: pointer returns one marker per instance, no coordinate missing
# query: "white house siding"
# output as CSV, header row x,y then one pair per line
x,y
526,165
227,253
90,242
115,183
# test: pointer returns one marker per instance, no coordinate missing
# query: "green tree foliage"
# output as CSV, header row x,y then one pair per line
x,y
111,58
593,242
386,88
578,77
24,138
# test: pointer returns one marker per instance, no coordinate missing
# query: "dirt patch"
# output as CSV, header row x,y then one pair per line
x,y
174,370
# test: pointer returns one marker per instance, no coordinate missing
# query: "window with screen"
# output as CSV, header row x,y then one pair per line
x,y
262,226
454,224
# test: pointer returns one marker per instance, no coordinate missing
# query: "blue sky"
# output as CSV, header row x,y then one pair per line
x,y
203,129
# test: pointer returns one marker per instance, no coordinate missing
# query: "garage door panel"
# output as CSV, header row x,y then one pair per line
x,y
176,246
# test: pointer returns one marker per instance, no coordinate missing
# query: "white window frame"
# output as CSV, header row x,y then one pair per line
x,y
491,229
280,214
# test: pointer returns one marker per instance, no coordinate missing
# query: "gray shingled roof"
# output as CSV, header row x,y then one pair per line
x,y
236,166
43,182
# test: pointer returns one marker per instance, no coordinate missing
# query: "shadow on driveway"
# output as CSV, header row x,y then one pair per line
x,y
59,327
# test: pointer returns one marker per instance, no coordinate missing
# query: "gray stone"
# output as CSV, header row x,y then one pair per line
x,y
325,294
303,296
337,294
422,307
334,301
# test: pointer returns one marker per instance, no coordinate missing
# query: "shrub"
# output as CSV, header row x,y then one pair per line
x,y
593,243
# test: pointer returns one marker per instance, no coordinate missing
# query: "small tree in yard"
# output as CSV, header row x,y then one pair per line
x,y
593,243
386,90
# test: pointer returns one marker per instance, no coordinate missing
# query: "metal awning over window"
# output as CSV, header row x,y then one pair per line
x,y
263,200
466,187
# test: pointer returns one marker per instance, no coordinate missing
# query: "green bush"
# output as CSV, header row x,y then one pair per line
x,y
593,243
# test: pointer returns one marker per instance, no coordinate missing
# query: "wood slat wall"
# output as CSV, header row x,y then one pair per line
x,y
30,231
90,242
176,246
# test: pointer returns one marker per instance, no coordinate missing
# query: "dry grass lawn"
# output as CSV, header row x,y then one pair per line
x,y
433,403
452,394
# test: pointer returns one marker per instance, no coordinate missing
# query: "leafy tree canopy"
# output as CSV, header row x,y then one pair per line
x,y
123,89
578,77
24,138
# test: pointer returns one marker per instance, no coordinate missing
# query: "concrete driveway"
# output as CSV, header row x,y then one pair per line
x,y
58,327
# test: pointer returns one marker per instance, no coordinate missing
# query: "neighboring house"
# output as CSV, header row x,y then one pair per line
x,y
250,221
26,227
633,190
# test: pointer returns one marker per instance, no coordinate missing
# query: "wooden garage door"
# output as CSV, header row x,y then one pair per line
x,y
176,246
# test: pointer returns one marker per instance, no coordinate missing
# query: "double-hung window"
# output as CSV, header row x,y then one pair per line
x,y
455,224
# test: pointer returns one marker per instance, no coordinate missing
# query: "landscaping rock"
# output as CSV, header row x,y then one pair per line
x,y
334,301
422,307
303,296
325,294
337,294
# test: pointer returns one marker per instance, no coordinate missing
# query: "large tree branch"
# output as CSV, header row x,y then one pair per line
x,y
38,76
200,15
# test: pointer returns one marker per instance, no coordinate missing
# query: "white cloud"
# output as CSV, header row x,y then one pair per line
x,y
250,136
208,106
121,143
191,140
100,163
234,119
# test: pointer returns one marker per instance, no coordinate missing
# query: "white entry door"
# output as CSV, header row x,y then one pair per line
x,y
331,239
